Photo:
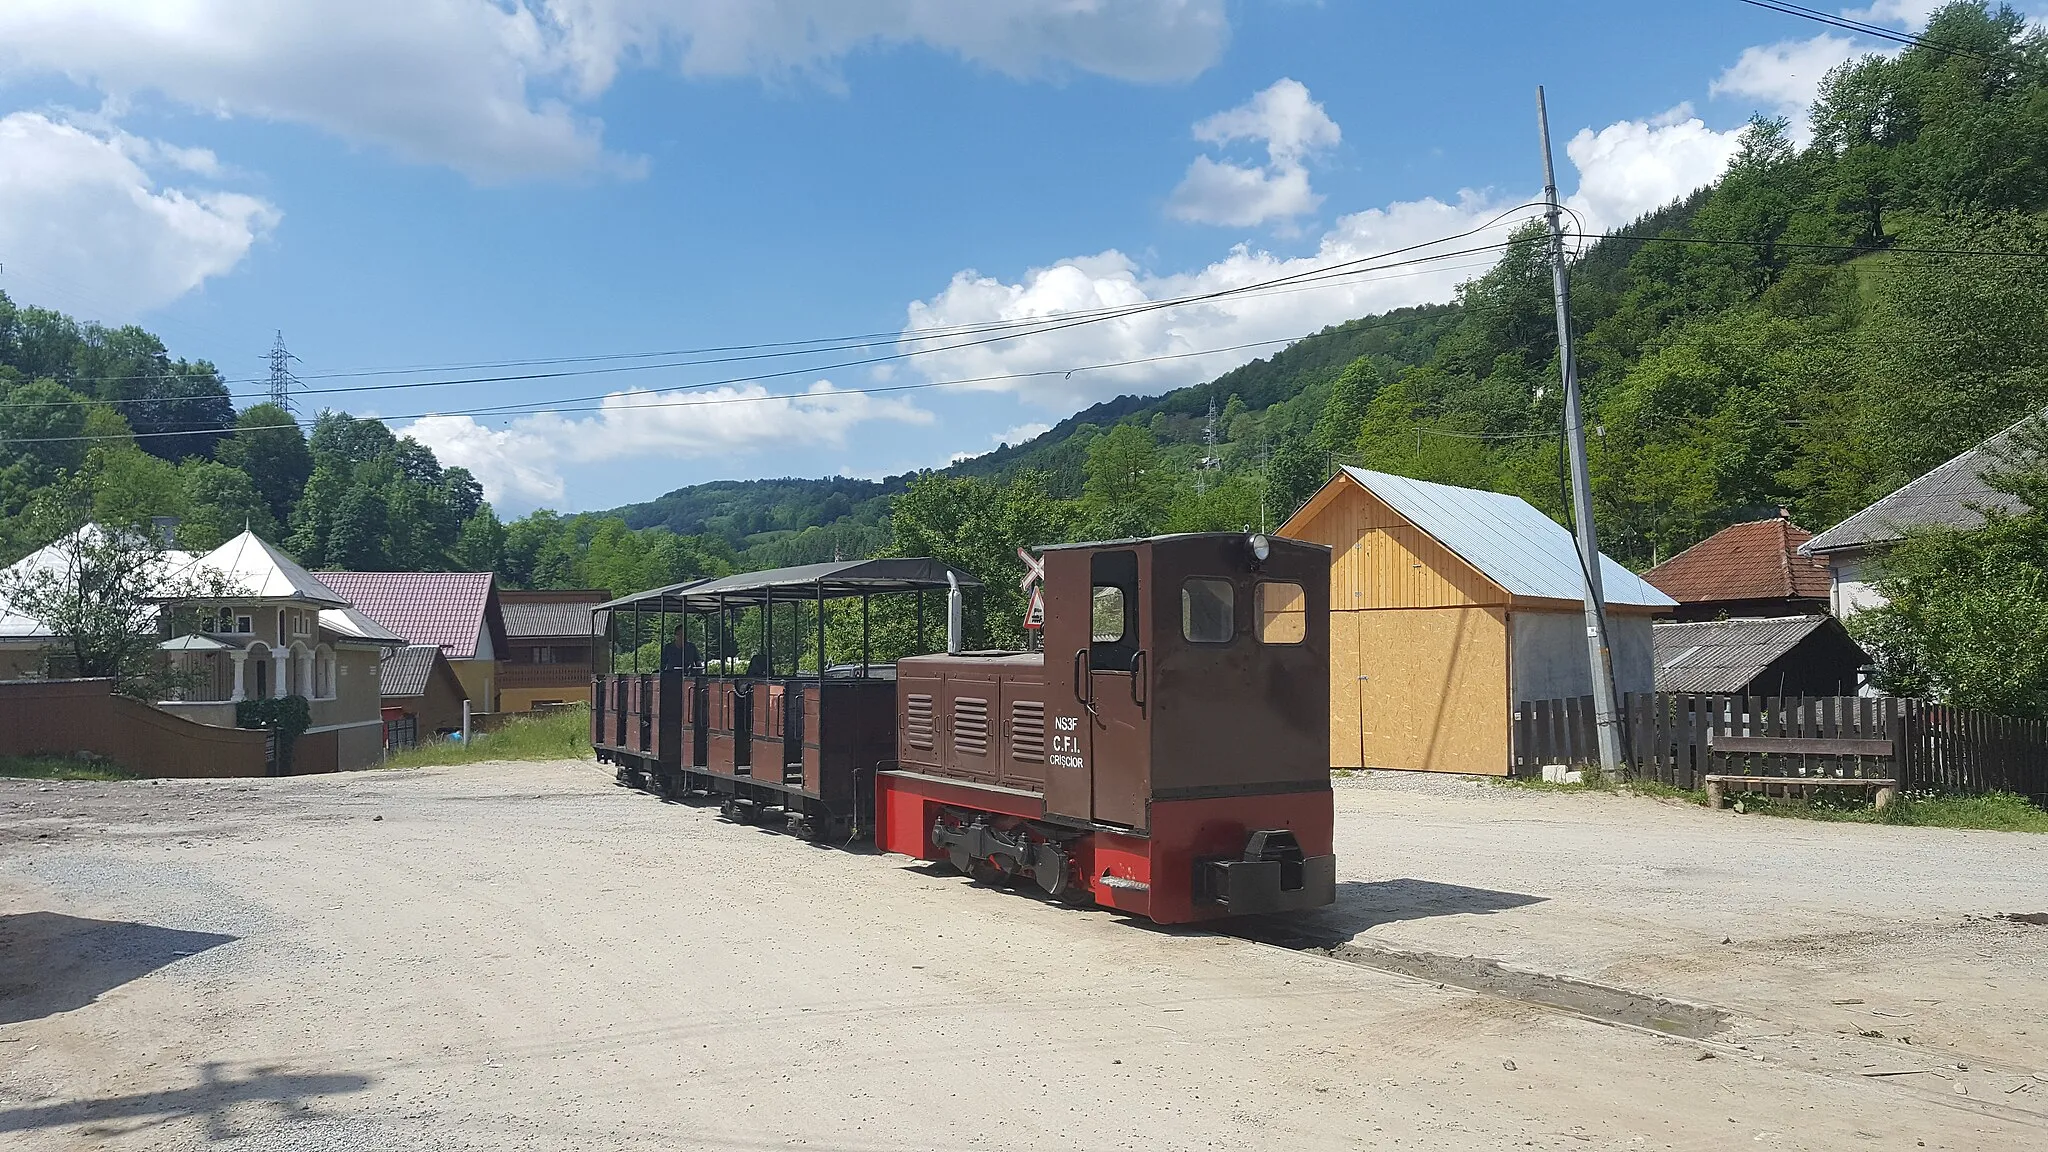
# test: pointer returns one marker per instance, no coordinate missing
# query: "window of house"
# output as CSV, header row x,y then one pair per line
x,y
542,654
1208,610
245,624
1283,612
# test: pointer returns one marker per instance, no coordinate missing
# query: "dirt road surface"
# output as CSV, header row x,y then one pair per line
x,y
526,957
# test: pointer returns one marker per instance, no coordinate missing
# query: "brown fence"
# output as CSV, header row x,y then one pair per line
x,y
66,717
1677,738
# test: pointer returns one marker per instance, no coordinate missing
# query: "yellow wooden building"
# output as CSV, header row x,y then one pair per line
x,y
1449,607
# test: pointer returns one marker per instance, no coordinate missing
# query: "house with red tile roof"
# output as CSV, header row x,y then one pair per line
x,y
457,612
1746,570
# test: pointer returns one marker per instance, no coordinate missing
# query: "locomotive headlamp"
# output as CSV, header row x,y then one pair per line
x,y
1262,547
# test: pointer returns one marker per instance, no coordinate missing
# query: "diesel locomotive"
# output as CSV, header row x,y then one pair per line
x,y
1165,754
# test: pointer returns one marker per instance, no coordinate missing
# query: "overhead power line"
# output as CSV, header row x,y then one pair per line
x,y
1863,28
1321,276
540,407
1338,269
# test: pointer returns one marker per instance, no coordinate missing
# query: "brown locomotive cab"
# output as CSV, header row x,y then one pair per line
x,y
1167,753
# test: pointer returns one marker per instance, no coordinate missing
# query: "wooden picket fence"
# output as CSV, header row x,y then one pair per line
x,y
1677,738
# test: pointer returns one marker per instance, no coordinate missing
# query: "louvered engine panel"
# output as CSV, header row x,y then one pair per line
x,y
1027,731
970,726
919,731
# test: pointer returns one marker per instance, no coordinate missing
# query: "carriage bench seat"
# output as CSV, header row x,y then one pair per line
x,y
1887,790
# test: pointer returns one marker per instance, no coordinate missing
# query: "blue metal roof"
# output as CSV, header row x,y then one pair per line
x,y
1506,539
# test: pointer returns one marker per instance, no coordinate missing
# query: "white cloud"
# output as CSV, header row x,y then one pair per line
x,y
1634,167
1292,126
523,460
1783,78
83,206
1021,434
1283,117
1112,280
490,87
1625,170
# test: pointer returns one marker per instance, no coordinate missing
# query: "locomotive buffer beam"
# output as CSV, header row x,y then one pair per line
x,y
1273,875
975,841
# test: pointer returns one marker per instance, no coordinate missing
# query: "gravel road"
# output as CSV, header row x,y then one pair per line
x,y
523,956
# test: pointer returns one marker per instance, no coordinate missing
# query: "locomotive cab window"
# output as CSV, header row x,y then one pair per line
x,y
1113,611
1109,615
1282,609
1208,610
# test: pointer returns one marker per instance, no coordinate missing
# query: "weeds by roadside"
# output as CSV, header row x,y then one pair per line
x,y
61,768
1996,812
558,734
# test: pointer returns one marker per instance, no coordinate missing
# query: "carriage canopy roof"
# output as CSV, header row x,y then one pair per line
x,y
804,582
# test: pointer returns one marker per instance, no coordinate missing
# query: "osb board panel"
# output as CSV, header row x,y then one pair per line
x,y
1380,560
1435,693
1346,690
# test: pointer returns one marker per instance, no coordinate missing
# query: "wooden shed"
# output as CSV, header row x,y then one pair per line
x,y
1449,606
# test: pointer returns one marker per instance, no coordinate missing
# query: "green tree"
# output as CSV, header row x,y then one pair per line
x,y
978,526
1344,409
103,595
269,446
1128,489
220,502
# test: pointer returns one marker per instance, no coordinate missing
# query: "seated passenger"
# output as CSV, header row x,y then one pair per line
x,y
679,655
757,665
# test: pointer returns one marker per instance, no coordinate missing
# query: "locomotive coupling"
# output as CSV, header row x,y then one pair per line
x,y
1273,875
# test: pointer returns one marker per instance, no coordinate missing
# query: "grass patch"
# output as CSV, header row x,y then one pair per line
x,y
1594,782
557,734
61,768
1996,812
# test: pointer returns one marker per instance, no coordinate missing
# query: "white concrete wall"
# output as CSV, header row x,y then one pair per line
x,y
1853,584
1547,655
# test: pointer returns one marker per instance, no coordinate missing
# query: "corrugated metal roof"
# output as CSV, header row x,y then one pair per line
x,y
406,671
1507,539
1947,497
1755,561
530,621
59,558
350,624
835,579
1725,655
445,609
258,571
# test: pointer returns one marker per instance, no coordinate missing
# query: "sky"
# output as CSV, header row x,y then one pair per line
x,y
673,218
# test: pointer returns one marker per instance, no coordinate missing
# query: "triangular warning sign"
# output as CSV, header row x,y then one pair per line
x,y
1034,616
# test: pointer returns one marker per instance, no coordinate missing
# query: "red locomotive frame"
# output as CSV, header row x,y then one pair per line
x,y
1166,755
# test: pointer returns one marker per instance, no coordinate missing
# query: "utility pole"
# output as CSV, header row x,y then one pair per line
x,y
281,379
1608,725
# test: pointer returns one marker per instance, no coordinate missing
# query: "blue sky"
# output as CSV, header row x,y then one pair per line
x,y
398,184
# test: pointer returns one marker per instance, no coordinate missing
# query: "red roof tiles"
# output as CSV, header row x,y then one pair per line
x,y
446,609
1759,560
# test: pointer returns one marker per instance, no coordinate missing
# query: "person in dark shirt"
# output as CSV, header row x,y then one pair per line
x,y
679,655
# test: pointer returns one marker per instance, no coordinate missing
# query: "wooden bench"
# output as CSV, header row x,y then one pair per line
x,y
1887,790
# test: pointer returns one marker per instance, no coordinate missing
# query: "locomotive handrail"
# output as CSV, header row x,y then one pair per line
x,y
1139,660
1084,681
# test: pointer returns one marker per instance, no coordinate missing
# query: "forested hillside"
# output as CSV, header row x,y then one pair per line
x,y
1824,323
